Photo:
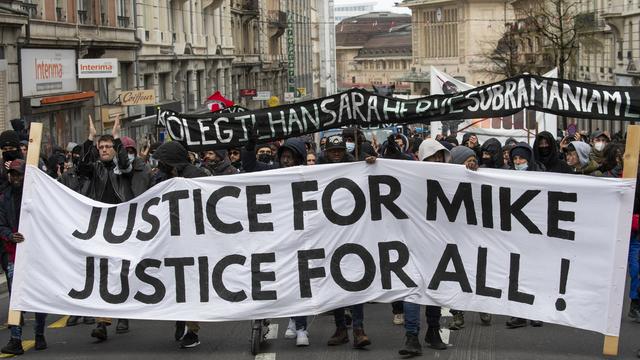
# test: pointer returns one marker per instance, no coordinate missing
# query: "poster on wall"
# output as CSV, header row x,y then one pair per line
x,y
48,71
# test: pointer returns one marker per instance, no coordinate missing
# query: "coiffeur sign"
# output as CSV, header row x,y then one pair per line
x,y
137,97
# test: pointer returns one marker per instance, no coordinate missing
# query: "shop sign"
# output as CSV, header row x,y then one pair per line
x,y
97,68
48,71
137,97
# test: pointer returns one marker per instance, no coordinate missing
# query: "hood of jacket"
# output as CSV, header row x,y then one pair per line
x,y
493,147
298,149
430,147
583,149
554,155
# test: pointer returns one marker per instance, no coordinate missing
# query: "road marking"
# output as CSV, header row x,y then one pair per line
x,y
62,322
273,332
26,345
266,356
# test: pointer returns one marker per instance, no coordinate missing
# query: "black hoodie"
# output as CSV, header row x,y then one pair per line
x,y
552,161
493,147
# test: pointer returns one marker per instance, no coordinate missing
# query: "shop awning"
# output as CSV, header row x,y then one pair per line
x,y
73,97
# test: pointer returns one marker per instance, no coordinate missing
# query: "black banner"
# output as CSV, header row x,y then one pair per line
x,y
365,109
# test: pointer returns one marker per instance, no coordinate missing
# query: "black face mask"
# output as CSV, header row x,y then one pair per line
x,y
237,164
165,168
544,151
10,155
265,158
488,162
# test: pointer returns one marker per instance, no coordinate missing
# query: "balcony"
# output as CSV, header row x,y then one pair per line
x,y
83,17
31,9
277,18
123,21
589,21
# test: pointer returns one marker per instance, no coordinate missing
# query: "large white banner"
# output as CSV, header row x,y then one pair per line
x,y
305,240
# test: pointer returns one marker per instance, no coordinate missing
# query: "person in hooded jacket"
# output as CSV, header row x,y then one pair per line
x,y
577,157
470,140
9,145
217,163
141,172
599,140
522,160
432,151
390,150
173,162
546,151
491,154
336,152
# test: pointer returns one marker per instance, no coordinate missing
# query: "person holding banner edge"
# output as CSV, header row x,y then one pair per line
x,y
109,176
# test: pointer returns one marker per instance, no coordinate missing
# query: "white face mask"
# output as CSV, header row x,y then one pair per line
x,y
521,167
131,157
599,145
351,146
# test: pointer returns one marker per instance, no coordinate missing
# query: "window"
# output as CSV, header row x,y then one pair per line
x,y
163,84
125,75
353,79
123,14
148,81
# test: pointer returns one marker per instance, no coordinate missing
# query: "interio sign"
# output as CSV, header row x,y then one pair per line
x,y
136,97
48,71
97,68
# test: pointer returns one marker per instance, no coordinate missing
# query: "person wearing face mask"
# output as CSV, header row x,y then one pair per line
x,y
546,152
235,156
173,162
10,202
522,159
264,154
491,154
141,172
217,162
9,144
599,141
354,138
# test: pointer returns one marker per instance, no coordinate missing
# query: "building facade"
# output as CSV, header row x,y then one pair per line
x,y
373,50
344,11
455,36
179,51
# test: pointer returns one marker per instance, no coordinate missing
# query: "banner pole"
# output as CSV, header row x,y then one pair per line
x,y
631,156
33,155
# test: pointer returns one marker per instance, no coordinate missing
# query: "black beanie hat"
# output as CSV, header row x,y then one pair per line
x,y
522,152
172,153
9,138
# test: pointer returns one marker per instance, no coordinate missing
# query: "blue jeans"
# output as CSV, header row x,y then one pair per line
x,y
634,266
357,315
301,322
412,317
16,331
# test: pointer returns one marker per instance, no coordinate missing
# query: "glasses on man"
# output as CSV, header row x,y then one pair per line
x,y
105,147
235,152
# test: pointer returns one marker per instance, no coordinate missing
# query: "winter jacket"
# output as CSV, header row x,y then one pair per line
x,y
140,177
75,182
587,166
119,172
493,147
346,158
223,167
552,161
429,147
9,219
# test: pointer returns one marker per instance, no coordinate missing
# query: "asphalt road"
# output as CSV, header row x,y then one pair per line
x,y
154,341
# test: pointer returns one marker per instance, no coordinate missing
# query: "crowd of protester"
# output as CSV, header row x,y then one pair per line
x,y
113,169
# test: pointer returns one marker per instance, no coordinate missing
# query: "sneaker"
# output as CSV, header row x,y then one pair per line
x,y
485,318
190,340
123,326
181,330
291,330
398,319
73,320
412,346
433,339
457,322
515,323
536,323
302,337
14,346
360,339
339,337
41,343
100,332
88,320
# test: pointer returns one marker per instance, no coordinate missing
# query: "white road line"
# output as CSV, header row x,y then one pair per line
x,y
444,333
266,356
273,333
